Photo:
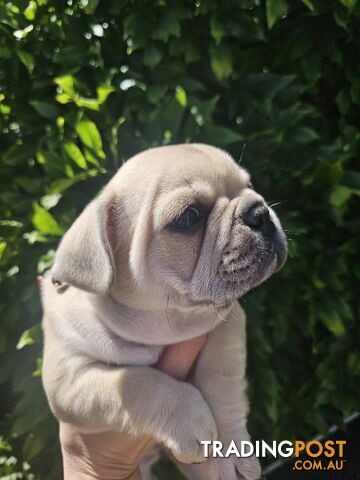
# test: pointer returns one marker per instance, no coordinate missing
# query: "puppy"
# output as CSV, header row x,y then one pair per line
x,y
160,256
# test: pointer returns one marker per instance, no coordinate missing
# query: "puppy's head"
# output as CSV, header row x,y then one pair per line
x,y
180,222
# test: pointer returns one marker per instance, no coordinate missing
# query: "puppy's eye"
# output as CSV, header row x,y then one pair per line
x,y
189,218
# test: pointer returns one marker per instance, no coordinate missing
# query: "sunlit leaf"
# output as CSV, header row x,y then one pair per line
x,y
75,154
29,337
67,84
3,245
45,222
181,96
90,136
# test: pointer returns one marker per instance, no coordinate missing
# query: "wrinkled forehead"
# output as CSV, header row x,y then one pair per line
x,y
202,167
197,179
173,177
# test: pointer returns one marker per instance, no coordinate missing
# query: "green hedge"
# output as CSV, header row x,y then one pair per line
x,y
84,85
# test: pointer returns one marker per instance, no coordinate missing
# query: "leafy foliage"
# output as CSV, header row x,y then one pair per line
x,y
9,468
85,85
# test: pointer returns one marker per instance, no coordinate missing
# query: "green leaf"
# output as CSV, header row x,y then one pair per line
x,y
69,56
342,18
91,103
33,445
46,261
340,195
24,340
29,337
180,96
90,158
168,26
221,62
103,92
17,155
74,152
50,201
275,9
27,59
217,29
44,222
306,135
221,136
90,136
63,184
4,446
44,109
66,83
3,246
350,4
64,98
152,56
309,4
333,322
29,12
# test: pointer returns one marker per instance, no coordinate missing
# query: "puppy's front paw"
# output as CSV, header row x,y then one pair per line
x,y
239,468
231,468
249,468
189,424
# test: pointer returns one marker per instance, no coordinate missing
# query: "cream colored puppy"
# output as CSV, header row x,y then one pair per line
x,y
160,256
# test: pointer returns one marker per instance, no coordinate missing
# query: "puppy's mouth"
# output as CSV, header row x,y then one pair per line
x,y
242,270
247,266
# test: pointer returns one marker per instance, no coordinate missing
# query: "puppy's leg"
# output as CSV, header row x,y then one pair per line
x,y
141,400
220,376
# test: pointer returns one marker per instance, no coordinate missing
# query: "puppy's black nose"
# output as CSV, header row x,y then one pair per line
x,y
258,218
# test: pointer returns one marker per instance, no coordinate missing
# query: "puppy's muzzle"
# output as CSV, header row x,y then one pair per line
x,y
258,218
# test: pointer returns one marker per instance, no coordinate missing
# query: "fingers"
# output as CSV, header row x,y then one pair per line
x,y
105,455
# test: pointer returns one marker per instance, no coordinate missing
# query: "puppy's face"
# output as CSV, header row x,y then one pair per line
x,y
213,237
180,223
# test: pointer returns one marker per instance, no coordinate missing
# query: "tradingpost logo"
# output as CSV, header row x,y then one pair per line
x,y
330,451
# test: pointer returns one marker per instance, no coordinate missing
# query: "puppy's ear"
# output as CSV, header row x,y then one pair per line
x,y
84,257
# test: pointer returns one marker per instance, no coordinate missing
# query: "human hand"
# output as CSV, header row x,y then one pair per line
x,y
114,455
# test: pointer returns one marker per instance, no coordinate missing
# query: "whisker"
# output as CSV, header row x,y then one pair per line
x,y
274,204
242,152
221,318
